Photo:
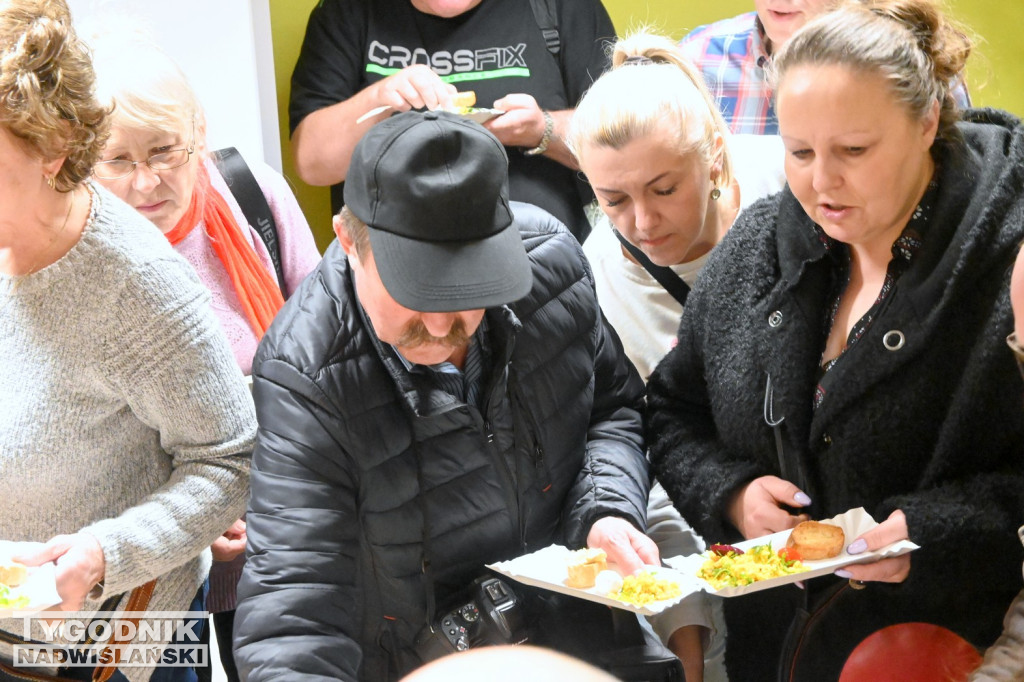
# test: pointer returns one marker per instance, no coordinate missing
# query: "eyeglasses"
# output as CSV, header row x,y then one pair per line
x,y
115,169
1018,351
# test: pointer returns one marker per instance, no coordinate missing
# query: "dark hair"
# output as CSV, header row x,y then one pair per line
x,y
46,88
919,51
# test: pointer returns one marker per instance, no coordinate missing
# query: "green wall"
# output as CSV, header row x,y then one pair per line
x,y
995,73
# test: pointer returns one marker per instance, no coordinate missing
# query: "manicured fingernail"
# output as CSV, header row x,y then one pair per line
x,y
857,547
843,573
802,499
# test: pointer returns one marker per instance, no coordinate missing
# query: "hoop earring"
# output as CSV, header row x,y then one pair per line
x,y
51,182
715,194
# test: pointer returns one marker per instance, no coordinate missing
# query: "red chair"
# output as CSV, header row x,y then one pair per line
x,y
911,652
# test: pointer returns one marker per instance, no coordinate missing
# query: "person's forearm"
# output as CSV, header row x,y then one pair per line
x,y
323,143
687,644
557,150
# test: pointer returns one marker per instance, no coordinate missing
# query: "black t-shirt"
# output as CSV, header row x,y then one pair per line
x,y
494,49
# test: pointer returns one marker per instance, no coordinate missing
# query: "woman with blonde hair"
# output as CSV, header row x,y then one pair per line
x,y
157,161
844,349
125,425
671,181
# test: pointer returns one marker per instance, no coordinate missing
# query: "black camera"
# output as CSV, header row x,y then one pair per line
x,y
489,612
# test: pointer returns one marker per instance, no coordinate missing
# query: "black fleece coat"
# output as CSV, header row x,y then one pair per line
x,y
933,427
358,462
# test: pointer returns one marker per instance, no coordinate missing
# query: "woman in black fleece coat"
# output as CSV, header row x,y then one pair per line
x,y
865,307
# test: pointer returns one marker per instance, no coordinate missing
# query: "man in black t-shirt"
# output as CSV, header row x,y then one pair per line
x,y
359,55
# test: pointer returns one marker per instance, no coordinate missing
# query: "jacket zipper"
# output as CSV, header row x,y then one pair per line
x,y
511,477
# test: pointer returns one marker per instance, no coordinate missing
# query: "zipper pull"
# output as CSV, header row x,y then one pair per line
x,y
538,463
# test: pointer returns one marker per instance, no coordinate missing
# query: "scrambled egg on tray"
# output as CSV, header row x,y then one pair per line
x,y
645,588
733,568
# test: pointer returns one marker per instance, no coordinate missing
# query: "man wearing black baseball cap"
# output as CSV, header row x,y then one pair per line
x,y
441,393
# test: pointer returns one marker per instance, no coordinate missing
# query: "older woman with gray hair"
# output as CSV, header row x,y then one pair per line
x,y
158,162
844,348
125,424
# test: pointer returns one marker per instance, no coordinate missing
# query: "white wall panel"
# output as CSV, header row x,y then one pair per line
x,y
224,48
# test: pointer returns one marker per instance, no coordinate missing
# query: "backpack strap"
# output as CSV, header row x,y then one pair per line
x,y
547,19
665,276
247,192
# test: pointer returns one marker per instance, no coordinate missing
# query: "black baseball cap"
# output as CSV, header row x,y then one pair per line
x,y
432,187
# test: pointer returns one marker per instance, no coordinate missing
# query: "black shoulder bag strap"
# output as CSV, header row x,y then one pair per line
x,y
666,277
250,197
547,19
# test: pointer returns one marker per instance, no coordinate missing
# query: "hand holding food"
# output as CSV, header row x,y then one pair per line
x,y
80,566
627,547
414,87
888,570
757,508
522,124
588,568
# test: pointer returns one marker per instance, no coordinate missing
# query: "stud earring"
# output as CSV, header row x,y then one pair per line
x,y
715,194
50,182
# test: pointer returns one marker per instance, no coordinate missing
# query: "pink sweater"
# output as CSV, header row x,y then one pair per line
x,y
299,255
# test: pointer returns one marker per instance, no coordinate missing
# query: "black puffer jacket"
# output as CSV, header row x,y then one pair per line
x,y
356,459
931,426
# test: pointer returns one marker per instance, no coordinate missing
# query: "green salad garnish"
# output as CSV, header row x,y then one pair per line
x,y
10,600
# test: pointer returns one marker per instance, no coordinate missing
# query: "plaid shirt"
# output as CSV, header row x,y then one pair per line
x,y
731,55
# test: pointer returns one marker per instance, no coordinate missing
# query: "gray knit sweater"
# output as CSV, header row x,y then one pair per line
x,y
123,413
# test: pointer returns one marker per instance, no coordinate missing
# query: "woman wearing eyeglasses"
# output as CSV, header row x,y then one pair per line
x,y
156,160
125,424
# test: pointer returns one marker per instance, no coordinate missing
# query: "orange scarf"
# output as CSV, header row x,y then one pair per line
x,y
257,291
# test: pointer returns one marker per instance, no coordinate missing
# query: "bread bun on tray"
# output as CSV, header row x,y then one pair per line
x,y
814,540
584,565
12,574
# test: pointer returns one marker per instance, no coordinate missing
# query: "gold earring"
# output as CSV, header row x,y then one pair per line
x,y
50,182
715,194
